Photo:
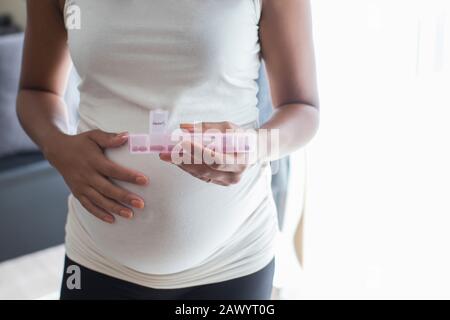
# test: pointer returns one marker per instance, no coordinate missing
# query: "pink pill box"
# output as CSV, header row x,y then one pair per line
x,y
159,140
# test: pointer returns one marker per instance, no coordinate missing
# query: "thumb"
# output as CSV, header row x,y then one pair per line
x,y
107,139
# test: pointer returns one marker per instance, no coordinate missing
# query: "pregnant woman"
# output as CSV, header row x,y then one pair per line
x,y
143,226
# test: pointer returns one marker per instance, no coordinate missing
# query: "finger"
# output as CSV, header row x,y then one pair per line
x,y
226,162
110,190
166,157
214,159
202,156
96,211
194,150
206,126
196,154
187,126
178,154
194,171
221,126
108,205
205,173
198,171
107,139
115,171
236,163
187,153
218,182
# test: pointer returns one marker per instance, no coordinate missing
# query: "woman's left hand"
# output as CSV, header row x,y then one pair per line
x,y
225,172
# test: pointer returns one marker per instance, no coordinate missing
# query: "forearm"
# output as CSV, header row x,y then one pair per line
x,y
296,124
43,116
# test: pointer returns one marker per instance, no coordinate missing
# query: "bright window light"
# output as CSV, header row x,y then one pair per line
x,y
378,205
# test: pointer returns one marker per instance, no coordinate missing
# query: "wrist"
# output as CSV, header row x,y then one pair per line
x,y
263,142
52,142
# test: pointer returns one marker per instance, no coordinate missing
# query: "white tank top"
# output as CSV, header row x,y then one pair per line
x,y
198,59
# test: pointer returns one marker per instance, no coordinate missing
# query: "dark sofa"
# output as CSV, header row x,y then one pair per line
x,y
33,205
32,194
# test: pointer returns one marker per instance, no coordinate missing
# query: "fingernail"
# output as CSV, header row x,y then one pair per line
x,y
142,180
123,135
108,219
165,156
126,213
187,126
139,204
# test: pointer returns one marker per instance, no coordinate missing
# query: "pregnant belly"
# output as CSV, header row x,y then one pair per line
x,y
184,221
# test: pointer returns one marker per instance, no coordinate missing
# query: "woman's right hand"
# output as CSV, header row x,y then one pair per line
x,y
43,114
81,161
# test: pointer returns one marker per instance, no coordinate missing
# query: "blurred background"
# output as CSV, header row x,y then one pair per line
x,y
376,216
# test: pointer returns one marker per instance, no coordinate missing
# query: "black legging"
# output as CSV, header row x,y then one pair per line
x,y
98,286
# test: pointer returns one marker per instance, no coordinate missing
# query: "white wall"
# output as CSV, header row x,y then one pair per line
x,y
16,8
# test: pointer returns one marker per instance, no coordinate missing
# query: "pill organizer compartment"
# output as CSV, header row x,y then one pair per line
x,y
159,140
